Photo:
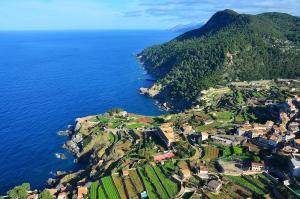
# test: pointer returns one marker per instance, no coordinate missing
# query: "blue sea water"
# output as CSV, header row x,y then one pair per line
x,y
47,79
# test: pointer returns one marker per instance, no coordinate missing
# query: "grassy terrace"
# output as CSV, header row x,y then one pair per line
x,y
110,188
119,185
150,189
155,181
250,184
210,153
171,187
138,184
93,190
101,193
130,188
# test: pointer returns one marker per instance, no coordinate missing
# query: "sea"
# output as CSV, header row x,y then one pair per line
x,y
50,78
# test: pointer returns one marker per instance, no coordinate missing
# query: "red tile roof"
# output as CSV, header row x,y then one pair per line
x,y
159,158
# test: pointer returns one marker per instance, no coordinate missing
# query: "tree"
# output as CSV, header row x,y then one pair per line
x,y
256,158
45,194
19,192
227,151
237,150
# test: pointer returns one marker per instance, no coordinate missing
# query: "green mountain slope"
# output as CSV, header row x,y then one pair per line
x,y
229,47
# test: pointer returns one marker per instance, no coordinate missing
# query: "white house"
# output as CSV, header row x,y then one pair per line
x,y
295,165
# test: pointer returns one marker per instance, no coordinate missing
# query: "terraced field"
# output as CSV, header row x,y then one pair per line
x,y
210,153
170,186
138,184
130,188
149,188
93,190
250,184
110,188
155,181
101,194
147,178
119,185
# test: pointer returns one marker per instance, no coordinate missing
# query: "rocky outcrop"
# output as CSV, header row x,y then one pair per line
x,y
73,145
152,91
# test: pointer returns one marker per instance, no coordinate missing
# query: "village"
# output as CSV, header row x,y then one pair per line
x,y
226,148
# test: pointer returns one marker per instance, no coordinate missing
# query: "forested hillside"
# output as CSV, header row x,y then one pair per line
x,y
229,47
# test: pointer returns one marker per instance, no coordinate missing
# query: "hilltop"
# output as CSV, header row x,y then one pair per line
x,y
229,47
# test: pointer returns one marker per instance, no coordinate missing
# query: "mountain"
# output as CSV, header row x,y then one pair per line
x,y
185,28
229,47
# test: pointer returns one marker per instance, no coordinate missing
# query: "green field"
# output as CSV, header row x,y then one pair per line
x,y
155,181
110,188
150,189
119,185
247,184
138,184
93,190
101,194
135,125
171,187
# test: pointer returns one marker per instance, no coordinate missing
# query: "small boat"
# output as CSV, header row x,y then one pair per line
x,y
60,156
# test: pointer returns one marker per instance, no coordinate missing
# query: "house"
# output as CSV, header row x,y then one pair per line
x,y
221,140
187,129
289,137
52,191
297,143
33,196
279,129
162,157
289,149
166,133
284,118
214,185
204,136
62,195
293,127
81,192
203,170
245,128
257,132
294,165
274,140
263,140
125,172
257,166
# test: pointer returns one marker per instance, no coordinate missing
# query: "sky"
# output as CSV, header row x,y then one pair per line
x,y
125,14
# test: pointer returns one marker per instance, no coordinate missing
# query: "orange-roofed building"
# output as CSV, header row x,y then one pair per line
x,y
52,191
33,196
125,172
81,192
257,166
258,132
162,157
167,134
203,170
297,143
274,140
